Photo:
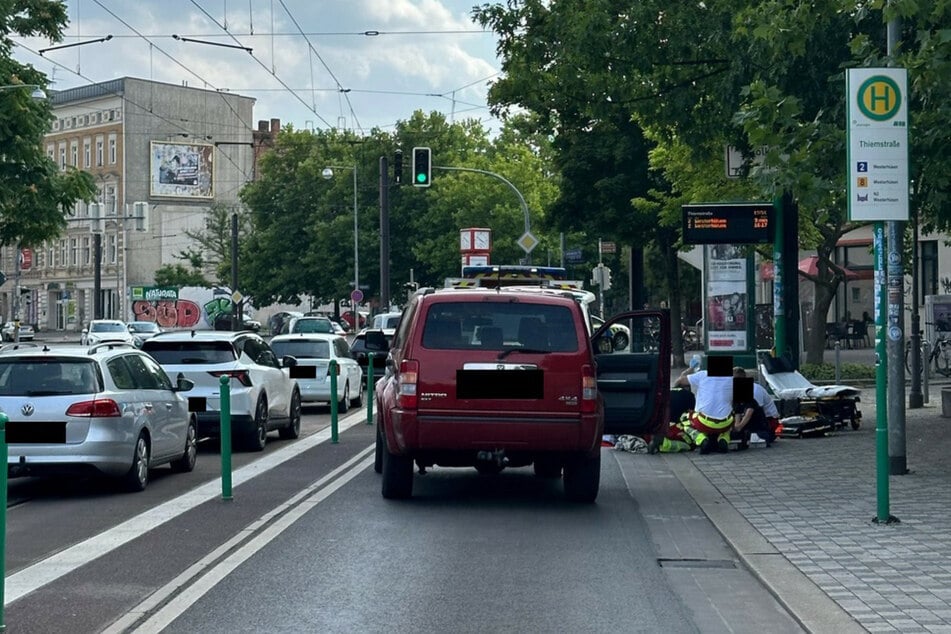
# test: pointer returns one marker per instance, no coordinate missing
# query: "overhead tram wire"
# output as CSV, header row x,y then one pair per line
x,y
367,33
262,65
184,131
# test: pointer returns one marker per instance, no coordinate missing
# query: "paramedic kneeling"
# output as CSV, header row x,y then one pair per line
x,y
758,415
712,418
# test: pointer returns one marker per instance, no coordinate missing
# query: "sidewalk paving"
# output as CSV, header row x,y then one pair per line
x,y
814,500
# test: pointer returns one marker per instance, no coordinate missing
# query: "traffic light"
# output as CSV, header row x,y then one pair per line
x,y
398,167
606,281
95,217
422,167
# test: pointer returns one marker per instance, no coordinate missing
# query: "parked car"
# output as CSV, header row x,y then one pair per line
x,y
495,378
386,321
263,397
307,324
108,409
360,352
142,330
100,330
9,332
314,353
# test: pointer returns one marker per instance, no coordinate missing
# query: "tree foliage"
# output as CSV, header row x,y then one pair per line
x,y
697,76
33,192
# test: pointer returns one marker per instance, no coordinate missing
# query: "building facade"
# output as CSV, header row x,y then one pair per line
x,y
162,155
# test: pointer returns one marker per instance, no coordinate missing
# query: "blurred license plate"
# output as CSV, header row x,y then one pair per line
x,y
197,404
303,372
36,432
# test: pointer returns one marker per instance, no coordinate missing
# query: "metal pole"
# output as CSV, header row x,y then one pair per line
x,y
16,293
896,304
926,363
370,390
356,242
779,307
3,515
881,367
915,397
384,235
235,325
225,434
332,371
838,367
97,280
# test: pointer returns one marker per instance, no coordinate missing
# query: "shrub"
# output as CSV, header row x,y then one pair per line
x,y
826,371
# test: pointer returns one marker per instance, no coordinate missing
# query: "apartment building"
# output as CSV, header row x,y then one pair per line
x,y
161,155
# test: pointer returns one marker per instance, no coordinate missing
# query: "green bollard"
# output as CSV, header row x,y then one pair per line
x,y
3,516
332,371
225,432
370,388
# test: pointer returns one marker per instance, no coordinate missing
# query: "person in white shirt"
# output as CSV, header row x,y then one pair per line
x,y
712,418
758,415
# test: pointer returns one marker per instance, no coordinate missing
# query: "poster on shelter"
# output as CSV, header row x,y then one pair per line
x,y
726,298
182,170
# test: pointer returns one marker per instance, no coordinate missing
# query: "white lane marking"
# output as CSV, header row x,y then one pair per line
x,y
207,565
55,566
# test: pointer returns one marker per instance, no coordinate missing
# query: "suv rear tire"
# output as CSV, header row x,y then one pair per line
x,y
186,463
397,476
256,438
583,478
380,448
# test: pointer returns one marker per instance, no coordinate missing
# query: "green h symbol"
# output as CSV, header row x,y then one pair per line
x,y
875,97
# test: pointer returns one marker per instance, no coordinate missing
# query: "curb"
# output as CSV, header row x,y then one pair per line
x,y
803,600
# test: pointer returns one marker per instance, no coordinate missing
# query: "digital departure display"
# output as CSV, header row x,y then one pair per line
x,y
728,223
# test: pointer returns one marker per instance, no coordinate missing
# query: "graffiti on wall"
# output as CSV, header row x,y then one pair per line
x,y
188,307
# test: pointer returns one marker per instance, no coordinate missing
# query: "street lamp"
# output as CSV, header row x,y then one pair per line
x,y
37,93
328,173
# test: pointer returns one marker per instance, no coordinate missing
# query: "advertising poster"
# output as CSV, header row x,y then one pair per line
x,y
726,298
181,170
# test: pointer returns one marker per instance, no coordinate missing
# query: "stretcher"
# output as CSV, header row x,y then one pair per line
x,y
805,408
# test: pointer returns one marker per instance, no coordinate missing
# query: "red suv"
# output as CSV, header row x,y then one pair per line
x,y
490,378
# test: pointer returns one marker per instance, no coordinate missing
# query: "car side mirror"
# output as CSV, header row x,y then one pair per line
x,y
287,361
182,384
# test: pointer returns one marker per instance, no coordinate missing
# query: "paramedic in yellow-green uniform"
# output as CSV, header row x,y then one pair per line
x,y
712,417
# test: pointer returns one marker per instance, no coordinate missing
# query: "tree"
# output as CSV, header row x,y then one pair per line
x,y
33,192
214,243
179,275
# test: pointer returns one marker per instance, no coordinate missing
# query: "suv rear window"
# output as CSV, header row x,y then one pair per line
x,y
302,349
500,326
312,325
48,376
189,352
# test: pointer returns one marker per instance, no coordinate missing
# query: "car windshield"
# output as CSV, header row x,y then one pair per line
x,y
48,376
312,325
360,343
500,326
302,348
189,352
144,326
107,328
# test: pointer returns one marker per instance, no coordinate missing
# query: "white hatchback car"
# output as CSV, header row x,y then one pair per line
x,y
107,409
263,397
101,330
313,352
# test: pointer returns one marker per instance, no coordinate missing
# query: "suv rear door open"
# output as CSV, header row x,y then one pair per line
x,y
634,380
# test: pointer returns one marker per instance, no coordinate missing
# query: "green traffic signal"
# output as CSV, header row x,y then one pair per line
x,y
422,167
421,177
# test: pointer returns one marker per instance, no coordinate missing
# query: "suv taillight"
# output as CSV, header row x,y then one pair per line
x,y
406,384
99,408
243,376
589,389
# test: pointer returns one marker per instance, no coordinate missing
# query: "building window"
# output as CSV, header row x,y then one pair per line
x,y
112,149
62,156
87,252
74,252
112,247
50,255
929,267
63,252
99,151
74,153
51,151
87,152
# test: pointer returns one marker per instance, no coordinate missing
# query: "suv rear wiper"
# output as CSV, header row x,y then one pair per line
x,y
506,353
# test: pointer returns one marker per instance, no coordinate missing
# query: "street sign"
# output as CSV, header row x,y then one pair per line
x,y
736,160
527,242
26,259
356,296
877,143
608,247
573,255
236,297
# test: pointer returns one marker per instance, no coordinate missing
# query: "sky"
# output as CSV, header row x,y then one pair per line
x,y
428,55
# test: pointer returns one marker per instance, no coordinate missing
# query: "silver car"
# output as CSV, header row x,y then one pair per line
x,y
313,352
107,409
